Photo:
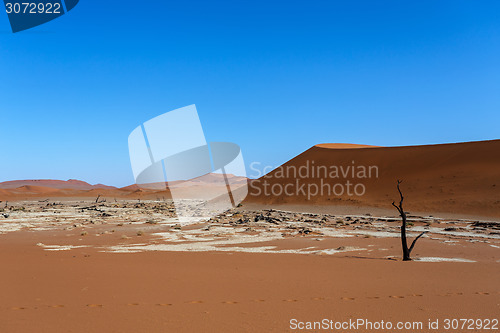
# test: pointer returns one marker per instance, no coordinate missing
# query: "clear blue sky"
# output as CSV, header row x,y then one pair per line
x,y
276,77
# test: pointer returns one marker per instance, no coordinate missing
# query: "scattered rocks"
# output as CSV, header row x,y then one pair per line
x,y
490,225
305,231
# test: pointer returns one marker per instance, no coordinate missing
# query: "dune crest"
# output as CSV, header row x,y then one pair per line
x,y
343,146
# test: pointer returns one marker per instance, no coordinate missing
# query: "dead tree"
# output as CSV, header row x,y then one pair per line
x,y
406,250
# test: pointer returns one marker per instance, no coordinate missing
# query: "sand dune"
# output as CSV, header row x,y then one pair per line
x,y
29,189
462,178
72,184
35,189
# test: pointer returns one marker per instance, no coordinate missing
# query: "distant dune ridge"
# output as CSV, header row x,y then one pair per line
x,y
55,184
60,189
462,178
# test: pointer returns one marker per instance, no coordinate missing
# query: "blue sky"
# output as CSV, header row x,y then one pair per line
x,y
276,77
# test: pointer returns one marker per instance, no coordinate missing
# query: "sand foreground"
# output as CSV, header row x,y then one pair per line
x,y
88,291
118,267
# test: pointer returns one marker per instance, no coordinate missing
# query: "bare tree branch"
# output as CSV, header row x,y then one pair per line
x,y
400,193
394,204
415,240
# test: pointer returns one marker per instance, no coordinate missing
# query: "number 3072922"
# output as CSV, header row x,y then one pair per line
x,y
33,8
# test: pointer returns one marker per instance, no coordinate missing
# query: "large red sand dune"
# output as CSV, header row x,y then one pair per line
x,y
462,178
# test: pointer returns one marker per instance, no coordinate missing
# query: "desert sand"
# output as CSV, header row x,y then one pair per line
x,y
125,263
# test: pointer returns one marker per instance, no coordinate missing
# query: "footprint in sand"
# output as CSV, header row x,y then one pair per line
x,y
373,297
18,308
259,300
195,302
163,304
347,298
396,296
133,304
94,305
451,294
482,293
416,295
318,298
230,302
290,300
56,306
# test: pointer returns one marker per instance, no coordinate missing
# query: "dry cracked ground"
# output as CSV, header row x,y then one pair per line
x,y
136,226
